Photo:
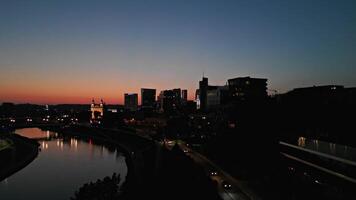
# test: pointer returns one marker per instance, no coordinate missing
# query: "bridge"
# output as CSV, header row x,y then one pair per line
x,y
323,157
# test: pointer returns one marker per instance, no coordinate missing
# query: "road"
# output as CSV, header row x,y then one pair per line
x,y
322,155
238,190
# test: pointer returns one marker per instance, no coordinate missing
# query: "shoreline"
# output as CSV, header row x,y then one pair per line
x,y
17,160
133,178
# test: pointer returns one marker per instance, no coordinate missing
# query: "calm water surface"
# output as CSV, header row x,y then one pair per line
x,y
62,166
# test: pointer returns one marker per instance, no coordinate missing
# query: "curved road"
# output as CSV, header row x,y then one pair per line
x,y
238,190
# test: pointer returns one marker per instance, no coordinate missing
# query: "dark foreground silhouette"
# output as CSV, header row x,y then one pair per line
x,y
107,188
178,178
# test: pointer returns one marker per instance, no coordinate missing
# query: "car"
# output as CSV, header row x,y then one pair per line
x,y
226,185
213,173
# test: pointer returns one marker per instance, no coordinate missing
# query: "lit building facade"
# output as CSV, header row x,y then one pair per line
x,y
208,96
97,110
216,95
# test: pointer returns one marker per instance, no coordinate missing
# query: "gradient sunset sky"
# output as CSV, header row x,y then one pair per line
x,y
68,51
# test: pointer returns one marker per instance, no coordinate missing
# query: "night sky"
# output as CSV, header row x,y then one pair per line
x,y
70,51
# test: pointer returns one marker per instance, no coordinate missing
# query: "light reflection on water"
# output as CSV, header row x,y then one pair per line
x,y
62,166
36,133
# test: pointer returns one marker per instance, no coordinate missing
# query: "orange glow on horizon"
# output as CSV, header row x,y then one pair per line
x,y
36,98
77,86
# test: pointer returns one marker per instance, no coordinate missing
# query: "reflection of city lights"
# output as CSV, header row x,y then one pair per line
x,y
46,146
57,143
74,142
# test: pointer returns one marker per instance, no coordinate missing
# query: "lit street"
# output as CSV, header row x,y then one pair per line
x,y
238,189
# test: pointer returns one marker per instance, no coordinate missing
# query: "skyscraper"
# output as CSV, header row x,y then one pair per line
x,y
203,89
177,95
184,96
148,97
131,101
247,88
170,100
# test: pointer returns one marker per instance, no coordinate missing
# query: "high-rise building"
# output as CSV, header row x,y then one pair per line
x,y
166,99
131,101
216,95
244,88
177,95
148,97
169,100
203,89
184,96
247,88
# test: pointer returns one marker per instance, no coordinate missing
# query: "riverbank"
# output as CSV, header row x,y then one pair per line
x,y
5,144
154,172
138,152
22,152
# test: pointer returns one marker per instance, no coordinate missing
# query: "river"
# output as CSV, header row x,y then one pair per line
x,y
62,166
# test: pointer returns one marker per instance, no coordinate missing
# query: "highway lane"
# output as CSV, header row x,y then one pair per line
x,y
238,189
230,194
225,194
320,168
